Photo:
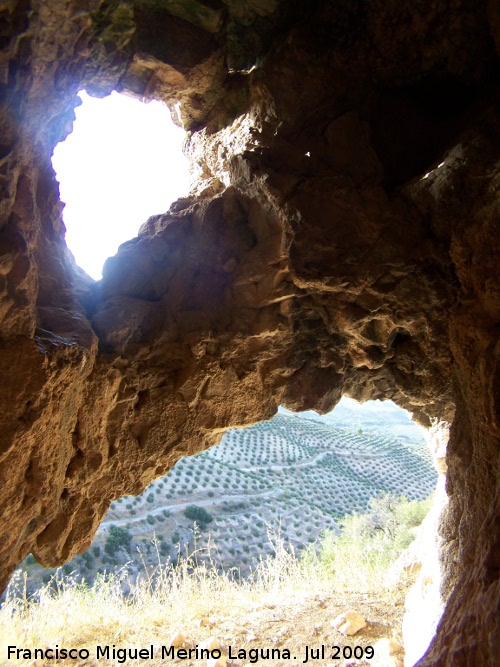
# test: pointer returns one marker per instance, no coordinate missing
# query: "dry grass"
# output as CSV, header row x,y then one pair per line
x,y
69,613
287,602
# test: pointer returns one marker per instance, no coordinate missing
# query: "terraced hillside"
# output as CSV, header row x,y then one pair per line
x,y
292,475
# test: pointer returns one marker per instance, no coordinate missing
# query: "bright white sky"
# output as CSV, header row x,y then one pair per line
x,y
122,163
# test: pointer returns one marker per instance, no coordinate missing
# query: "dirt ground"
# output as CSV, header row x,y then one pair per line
x,y
292,624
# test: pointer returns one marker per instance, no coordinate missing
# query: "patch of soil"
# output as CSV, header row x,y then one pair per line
x,y
293,623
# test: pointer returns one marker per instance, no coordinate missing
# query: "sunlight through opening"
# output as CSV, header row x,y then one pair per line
x,y
122,163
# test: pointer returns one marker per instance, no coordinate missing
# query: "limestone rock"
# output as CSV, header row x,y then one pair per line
x,y
424,604
342,237
349,623
387,653
210,644
177,639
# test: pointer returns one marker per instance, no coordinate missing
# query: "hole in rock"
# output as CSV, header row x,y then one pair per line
x,y
122,163
299,517
284,484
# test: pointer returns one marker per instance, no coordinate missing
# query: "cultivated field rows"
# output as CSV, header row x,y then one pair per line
x,y
288,476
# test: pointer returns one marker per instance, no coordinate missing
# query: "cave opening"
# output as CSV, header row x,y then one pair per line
x,y
300,492
296,475
122,163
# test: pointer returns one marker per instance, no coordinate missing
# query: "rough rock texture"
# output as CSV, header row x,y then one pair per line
x,y
387,653
424,604
349,623
342,237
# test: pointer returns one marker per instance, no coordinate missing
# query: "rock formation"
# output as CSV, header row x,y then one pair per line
x,y
424,604
342,237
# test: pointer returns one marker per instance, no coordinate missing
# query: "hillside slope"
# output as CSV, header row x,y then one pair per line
x,y
293,476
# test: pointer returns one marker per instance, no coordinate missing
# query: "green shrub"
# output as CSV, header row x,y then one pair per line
x,y
150,498
198,514
150,519
369,543
117,538
87,559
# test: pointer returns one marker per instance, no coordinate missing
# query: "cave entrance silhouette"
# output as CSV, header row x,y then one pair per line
x,y
122,163
275,488
297,474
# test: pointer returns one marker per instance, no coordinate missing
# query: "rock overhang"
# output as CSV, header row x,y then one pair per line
x,y
341,238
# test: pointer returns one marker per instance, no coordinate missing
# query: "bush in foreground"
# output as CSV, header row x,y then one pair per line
x,y
359,557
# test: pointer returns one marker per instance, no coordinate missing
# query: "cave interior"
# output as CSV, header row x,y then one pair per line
x,y
341,238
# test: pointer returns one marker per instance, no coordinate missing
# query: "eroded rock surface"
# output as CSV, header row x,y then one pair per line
x,y
342,237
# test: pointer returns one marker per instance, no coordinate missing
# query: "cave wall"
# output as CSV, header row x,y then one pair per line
x,y
341,237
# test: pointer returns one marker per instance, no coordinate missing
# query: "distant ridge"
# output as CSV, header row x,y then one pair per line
x,y
370,415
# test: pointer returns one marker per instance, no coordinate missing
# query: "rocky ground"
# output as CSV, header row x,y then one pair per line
x,y
303,627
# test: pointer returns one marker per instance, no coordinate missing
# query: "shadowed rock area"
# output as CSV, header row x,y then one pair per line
x,y
342,237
